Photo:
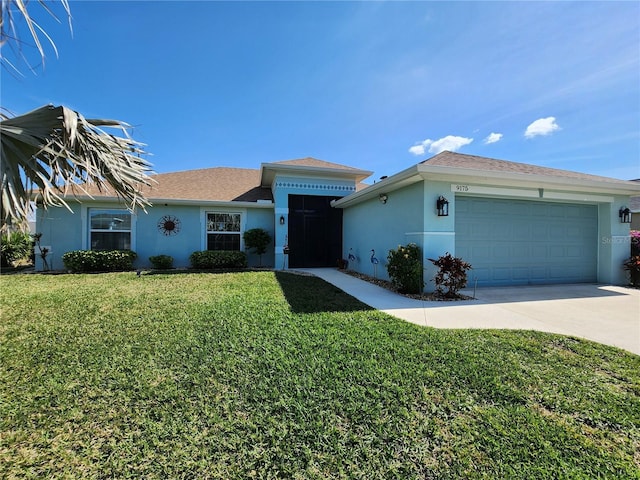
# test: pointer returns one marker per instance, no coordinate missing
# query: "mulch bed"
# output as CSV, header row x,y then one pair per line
x,y
429,297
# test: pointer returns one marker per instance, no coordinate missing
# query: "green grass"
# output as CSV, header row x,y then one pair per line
x,y
273,375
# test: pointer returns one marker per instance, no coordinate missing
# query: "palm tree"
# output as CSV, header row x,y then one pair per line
x,y
14,14
56,151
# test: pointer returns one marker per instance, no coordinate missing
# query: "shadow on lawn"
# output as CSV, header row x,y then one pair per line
x,y
309,294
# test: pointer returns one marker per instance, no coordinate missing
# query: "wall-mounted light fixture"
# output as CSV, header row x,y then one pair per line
x,y
442,206
383,198
281,219
625,215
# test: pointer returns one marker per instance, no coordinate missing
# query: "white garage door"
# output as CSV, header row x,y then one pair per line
x,y
518,242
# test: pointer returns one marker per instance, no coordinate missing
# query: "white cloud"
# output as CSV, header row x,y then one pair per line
x,y
492,138
450,142
542,126
418,149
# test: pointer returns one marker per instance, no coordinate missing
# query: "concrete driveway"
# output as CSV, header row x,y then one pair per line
x,y
604,314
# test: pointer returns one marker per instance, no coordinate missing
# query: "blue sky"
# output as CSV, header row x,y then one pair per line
x,y
374,85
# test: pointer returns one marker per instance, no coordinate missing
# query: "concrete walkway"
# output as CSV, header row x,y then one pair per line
x,y
604,314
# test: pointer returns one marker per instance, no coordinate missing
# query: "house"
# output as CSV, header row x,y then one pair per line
x,y
634,207
517,224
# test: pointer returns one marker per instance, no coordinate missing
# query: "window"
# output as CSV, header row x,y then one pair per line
x,y
109,229
223,231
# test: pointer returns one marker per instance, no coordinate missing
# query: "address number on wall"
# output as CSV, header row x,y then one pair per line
x,y
461,188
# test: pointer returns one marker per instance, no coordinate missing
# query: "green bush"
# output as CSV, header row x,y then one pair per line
x,y
161,262
257,239
218,259
452,275
404,266
99,261
15,246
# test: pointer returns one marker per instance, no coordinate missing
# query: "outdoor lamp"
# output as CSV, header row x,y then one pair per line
x,y
383,198
625,215
281,219
442,206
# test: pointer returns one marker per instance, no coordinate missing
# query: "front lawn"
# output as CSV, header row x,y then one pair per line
x,y
275,375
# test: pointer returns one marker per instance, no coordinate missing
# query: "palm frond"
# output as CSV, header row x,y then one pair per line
x,y
56,151
15,13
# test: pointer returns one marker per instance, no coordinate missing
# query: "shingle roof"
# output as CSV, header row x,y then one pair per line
x,y
208,184
219,183
473,162
313,162
223,184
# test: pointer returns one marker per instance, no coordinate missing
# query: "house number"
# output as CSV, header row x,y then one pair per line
x,y
461,188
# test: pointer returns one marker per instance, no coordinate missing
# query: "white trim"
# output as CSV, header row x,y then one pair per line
x,y
84,214
466,189
527,180
406,177
203,224
86,224
269,171
577,197
177,201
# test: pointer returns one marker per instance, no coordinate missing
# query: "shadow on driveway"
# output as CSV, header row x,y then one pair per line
x,y
602,313
544,292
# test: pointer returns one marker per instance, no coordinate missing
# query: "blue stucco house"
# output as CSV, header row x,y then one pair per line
x,y
517,224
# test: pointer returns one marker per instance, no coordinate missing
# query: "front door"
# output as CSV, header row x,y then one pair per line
x,y
315,231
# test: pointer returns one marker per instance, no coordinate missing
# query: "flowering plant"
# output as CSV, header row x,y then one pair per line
x,y
404,266
633,266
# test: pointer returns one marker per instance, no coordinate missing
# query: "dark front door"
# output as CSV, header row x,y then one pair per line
x,y
315,231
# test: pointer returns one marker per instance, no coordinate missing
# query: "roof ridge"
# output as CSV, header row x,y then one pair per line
x,y
312,162
525,168
206,169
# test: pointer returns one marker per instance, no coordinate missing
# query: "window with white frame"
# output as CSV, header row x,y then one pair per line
x,y
109,229
223,231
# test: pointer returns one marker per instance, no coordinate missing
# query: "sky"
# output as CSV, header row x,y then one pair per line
x,y
379,86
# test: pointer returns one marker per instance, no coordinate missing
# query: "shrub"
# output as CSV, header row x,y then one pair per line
x,y
161,262
99,261
218,259
15,246
452,275
257,239
632,265
635,242
404,266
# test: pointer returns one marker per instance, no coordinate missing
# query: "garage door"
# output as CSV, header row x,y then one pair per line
x,y
517,242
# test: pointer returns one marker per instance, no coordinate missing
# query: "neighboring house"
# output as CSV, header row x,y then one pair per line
x,y
634,206
517,224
